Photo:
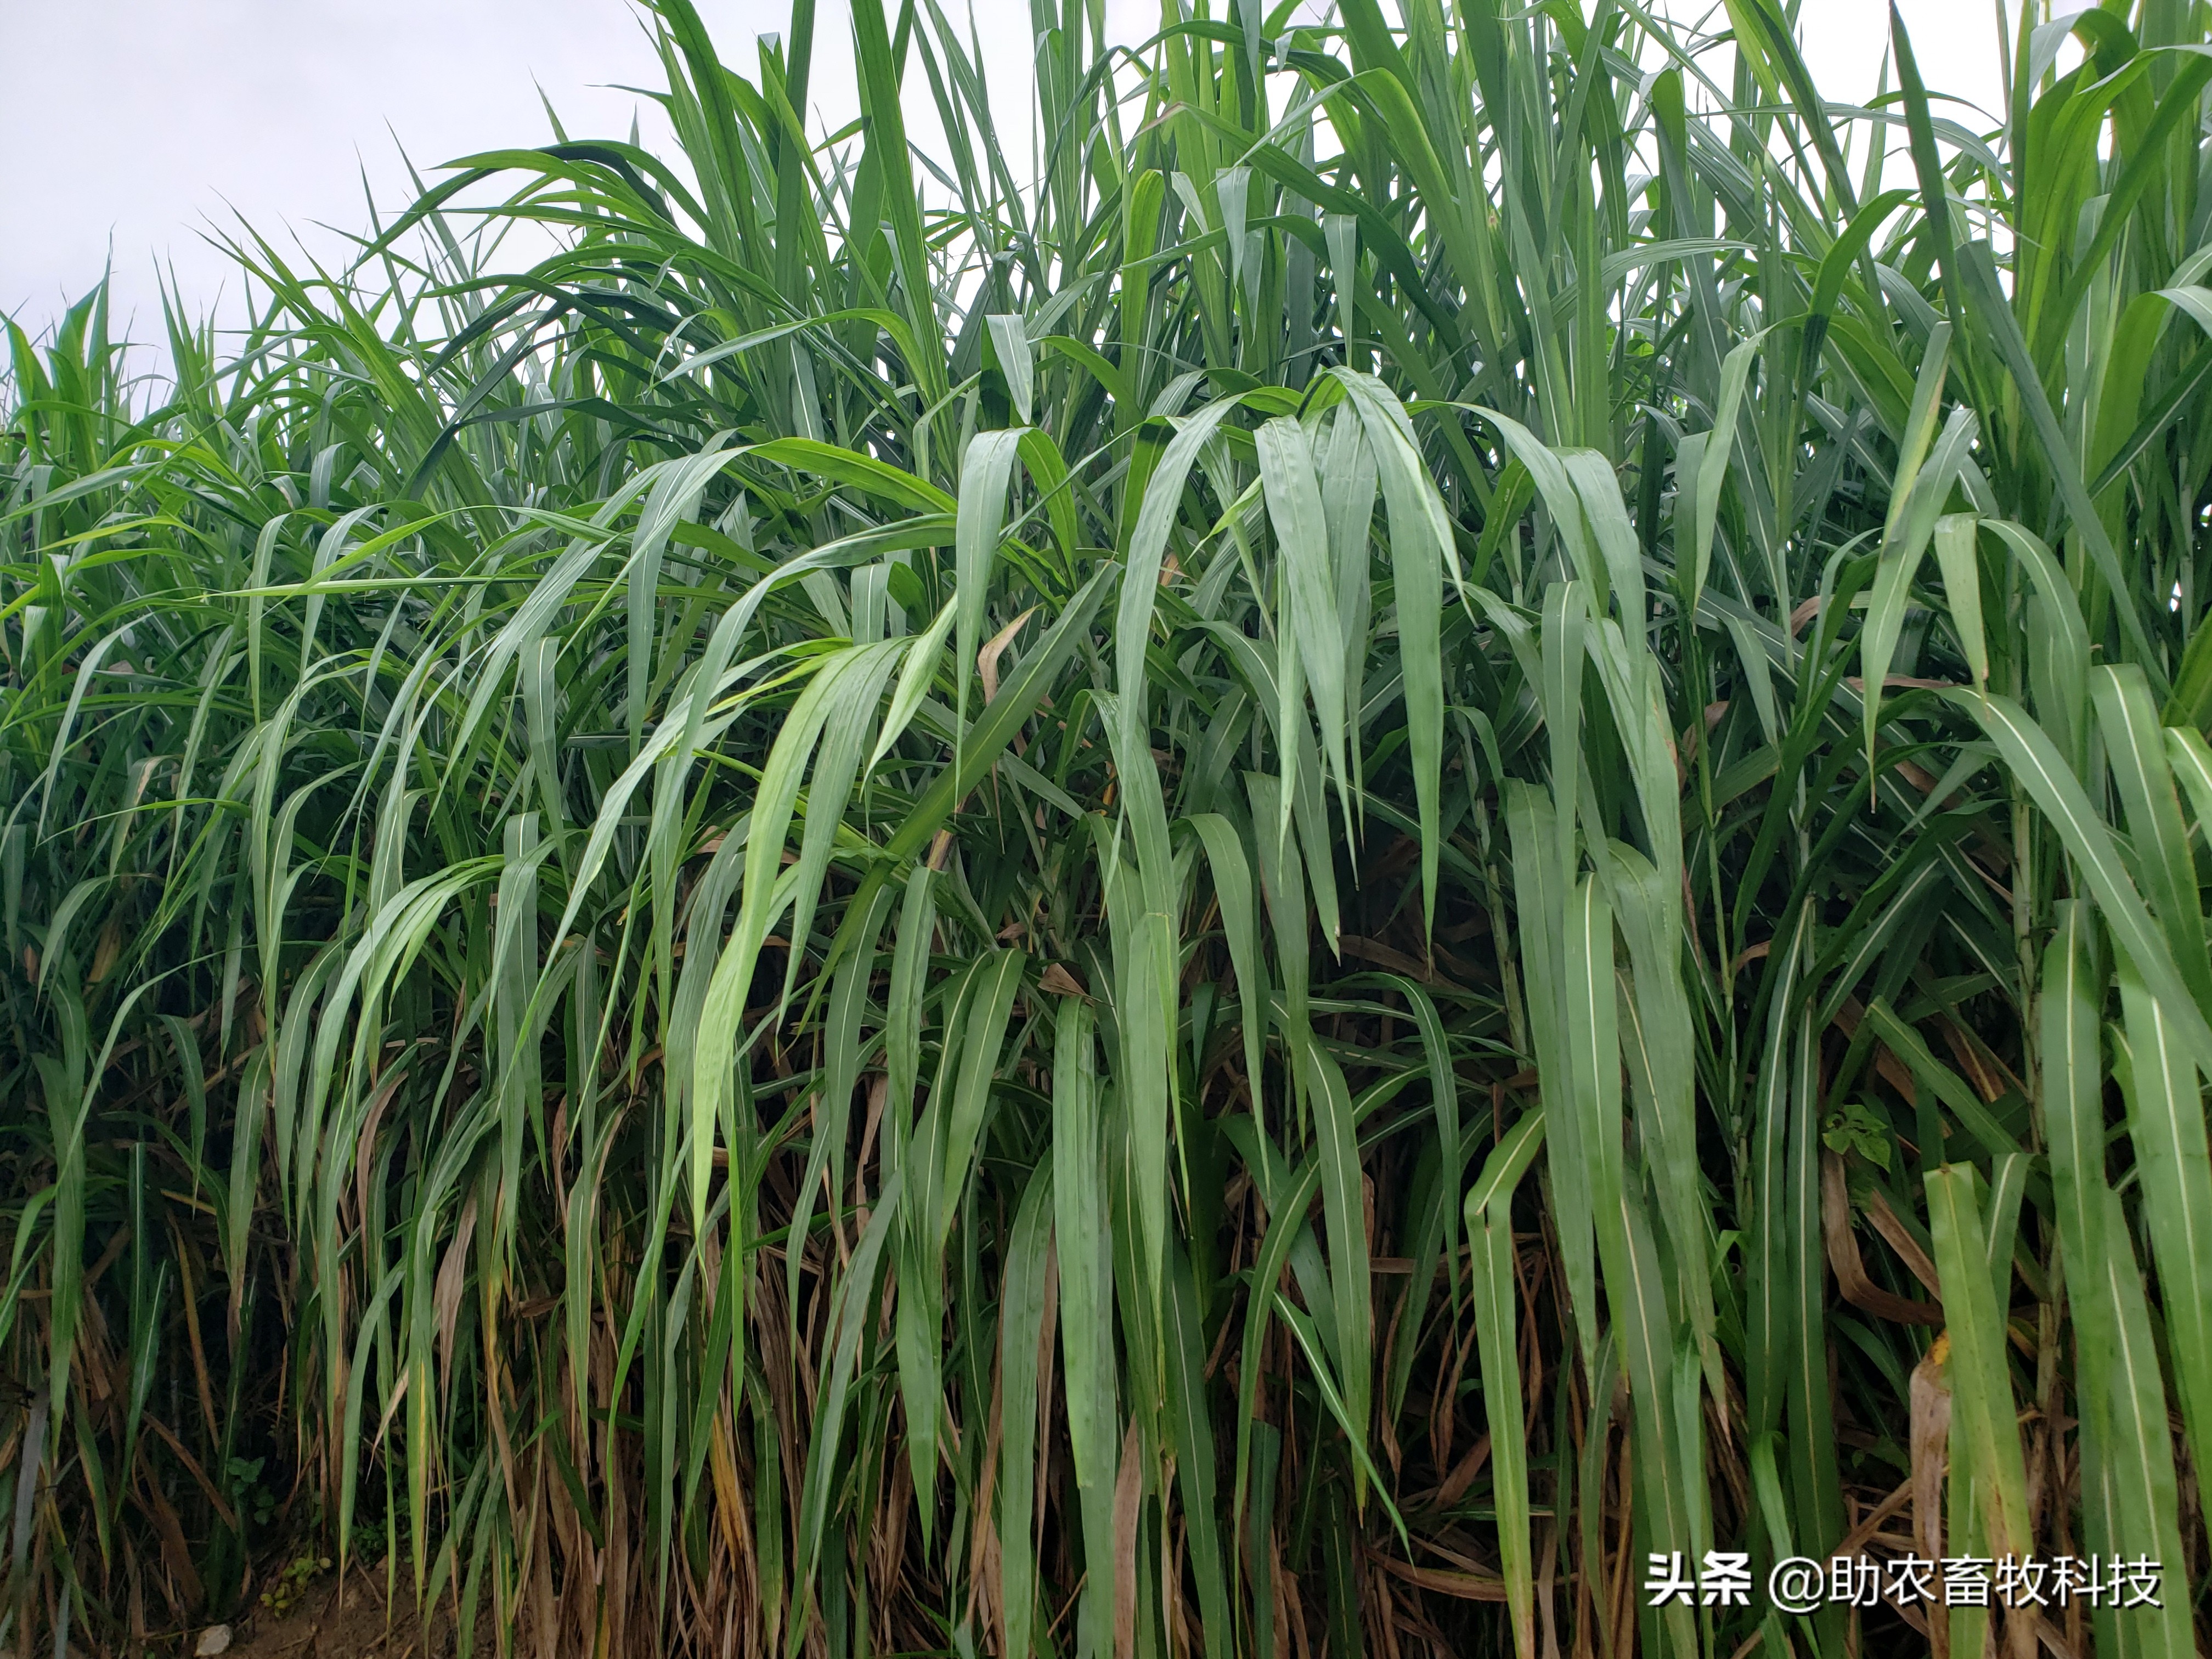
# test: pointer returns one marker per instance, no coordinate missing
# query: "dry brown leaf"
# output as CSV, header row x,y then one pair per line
x,y
1930,1437
987,660
1843,1244
1057,980
1129,1493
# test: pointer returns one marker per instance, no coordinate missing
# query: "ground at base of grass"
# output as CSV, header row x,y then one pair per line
x,y
347,1621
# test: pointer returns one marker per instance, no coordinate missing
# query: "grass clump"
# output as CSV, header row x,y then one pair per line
x,y
1435,824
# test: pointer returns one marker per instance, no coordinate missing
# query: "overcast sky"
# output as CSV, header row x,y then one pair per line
x,y
132,127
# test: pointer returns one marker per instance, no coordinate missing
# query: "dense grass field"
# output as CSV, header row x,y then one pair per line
x,y
1263,865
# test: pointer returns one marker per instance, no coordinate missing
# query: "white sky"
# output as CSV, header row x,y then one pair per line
x,y
131,127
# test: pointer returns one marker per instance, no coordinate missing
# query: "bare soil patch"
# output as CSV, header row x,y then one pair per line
x,y
350,1620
